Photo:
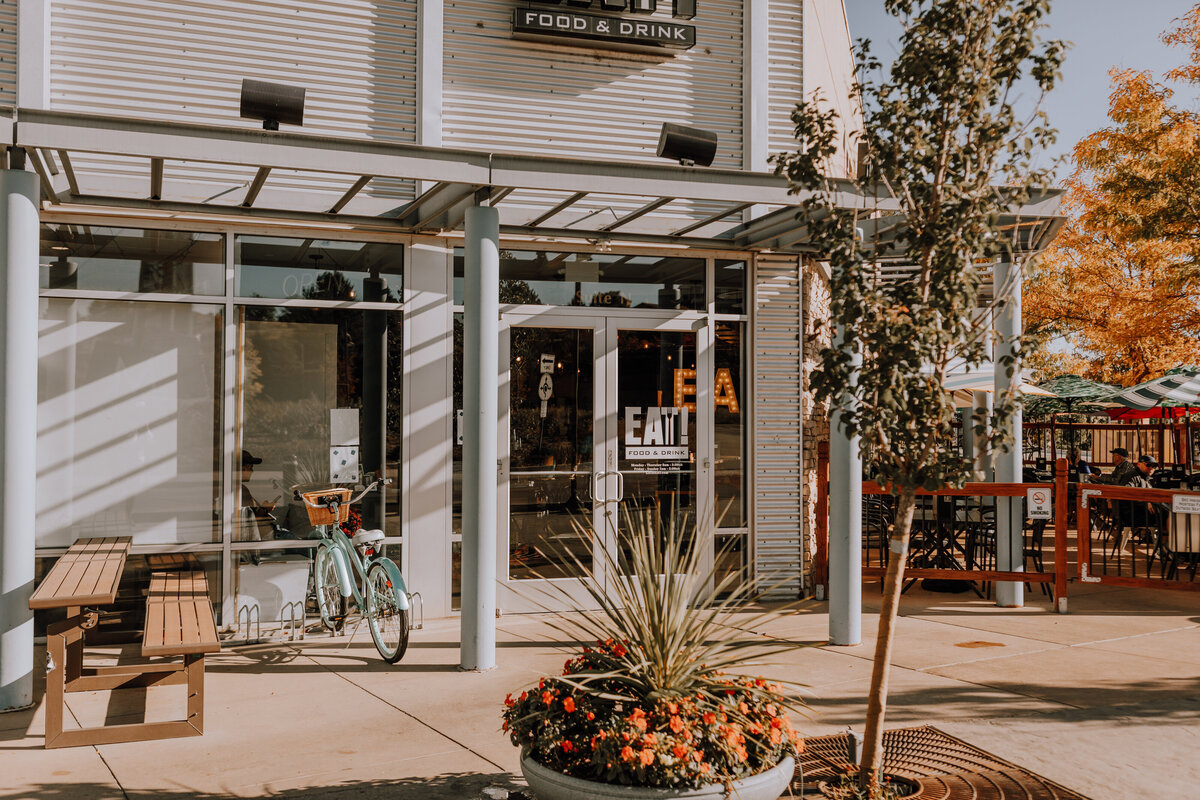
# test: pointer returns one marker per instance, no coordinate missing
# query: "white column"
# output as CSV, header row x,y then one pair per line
x,y
1009,544
481,322
18,429
845,522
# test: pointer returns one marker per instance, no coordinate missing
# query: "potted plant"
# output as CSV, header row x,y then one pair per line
x,y
660,706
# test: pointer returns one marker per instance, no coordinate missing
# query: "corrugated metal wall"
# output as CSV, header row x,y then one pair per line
x,y
785,71
185,60
515,95
8,52
778,424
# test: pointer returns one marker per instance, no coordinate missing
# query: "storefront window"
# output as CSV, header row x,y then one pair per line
x,y
92,258
595,280
729,393
128,421
730,282
316,269
320,406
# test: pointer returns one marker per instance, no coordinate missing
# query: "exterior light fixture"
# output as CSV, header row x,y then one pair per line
x,y
689,146
273,103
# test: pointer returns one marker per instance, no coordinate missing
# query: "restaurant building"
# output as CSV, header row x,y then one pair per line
x,y
227,315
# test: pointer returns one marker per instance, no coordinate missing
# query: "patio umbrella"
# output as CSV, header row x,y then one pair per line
x,y
1179,387
962,384
1068,390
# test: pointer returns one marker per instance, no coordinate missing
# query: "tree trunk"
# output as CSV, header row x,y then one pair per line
x,y
872,755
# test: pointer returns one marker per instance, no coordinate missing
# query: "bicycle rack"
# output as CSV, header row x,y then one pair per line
x,y
253,621
413,623
293,623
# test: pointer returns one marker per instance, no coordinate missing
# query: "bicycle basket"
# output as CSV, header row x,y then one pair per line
x,y
318,514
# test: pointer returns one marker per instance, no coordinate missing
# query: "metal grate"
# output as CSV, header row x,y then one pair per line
x,y
943,767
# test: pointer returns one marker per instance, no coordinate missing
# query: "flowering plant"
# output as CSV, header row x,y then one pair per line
x,y
654,702
353,522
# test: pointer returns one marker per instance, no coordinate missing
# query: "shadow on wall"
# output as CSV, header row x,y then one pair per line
x,y
448,786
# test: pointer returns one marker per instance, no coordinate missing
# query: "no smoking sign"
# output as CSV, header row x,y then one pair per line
x,y
1037,503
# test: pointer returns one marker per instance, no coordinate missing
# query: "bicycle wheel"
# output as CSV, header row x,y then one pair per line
x,y
388,622
329,592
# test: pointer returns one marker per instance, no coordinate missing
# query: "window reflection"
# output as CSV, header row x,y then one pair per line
x,y
321,406
88,257
595,280
317,269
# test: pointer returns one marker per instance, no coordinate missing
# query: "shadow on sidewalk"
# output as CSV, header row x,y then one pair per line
x,y
448,786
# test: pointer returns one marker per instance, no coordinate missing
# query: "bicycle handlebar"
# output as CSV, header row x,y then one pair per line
x,y
332,501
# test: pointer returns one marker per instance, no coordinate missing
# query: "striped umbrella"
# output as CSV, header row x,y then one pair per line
x,y
1179,387
962,384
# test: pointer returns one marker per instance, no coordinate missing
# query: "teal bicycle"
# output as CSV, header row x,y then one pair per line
x,y
354,569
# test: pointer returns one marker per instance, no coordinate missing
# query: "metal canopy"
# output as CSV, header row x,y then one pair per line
x,y
658,203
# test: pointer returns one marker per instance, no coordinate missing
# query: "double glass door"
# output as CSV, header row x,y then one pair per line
x,y
604,444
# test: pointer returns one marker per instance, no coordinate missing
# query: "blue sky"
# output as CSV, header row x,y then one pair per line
x,y
1105,34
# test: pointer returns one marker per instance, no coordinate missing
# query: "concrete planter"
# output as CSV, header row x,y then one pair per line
x,y
546,784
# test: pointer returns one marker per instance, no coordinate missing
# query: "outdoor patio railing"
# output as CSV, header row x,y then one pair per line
x,y
1142,538
954,534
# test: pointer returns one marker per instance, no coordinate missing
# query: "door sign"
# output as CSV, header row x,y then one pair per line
x,y
657,434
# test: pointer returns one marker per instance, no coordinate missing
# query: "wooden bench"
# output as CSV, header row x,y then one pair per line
x,y
179,622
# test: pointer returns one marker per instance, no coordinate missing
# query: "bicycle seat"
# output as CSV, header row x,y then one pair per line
x,y
367,537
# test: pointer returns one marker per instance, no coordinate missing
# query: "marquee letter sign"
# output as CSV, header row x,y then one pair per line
x,y
548,18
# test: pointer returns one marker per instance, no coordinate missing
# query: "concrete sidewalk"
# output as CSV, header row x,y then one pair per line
x,y
1105,700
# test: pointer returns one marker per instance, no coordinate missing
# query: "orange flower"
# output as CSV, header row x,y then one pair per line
x,y
567,746
673,708
709,718
696,755
650,740
568,705
679,751
626,753
776,723
547,697
776,736
742,707
676,725
771,709
647,757
591,716
508,701
639,723
704,768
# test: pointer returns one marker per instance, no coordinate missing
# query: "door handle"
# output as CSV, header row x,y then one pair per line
x,y
620,486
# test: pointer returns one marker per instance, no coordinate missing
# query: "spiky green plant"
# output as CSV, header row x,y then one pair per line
x,y
681,627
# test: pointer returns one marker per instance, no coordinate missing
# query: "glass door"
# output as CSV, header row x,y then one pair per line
x,y
604,443
554,391
656,466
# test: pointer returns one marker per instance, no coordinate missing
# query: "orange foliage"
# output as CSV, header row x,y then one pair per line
x,y
1120,283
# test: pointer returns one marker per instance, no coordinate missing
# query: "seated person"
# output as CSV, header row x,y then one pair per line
x,y
1123,474
1076,463
255,521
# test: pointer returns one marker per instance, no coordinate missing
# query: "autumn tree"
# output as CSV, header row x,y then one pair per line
x,y
948,160
1121,283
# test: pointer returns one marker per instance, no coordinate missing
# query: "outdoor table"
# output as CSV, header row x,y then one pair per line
x,y
87,576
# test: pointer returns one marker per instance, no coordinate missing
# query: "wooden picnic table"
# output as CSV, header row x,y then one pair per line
x,y
180,622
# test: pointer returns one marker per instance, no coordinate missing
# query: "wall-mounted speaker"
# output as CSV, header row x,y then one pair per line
x,y
688,146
